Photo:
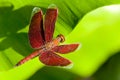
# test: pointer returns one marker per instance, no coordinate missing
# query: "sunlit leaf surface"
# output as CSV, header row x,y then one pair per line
x,y
97,31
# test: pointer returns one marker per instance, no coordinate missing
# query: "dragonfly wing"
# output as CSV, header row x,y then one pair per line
x,y
49,23
52,59
63,49
36,29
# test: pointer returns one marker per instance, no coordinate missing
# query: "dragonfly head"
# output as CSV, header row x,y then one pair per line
x,y
61,37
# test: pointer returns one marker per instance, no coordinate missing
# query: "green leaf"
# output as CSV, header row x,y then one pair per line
x,y
98,32
96,46
110,70
22,72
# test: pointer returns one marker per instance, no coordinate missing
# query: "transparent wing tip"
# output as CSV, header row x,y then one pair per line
x,y
52,6
67,67
36,9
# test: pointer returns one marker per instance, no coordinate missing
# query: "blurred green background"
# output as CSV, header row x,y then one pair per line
x,y
95,24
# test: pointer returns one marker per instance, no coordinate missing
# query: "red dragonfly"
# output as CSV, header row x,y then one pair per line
x,y
40,36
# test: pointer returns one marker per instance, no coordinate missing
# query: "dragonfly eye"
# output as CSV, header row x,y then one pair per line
x,y
62,37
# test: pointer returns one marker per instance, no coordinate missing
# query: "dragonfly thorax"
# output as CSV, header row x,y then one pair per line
x,y
55,42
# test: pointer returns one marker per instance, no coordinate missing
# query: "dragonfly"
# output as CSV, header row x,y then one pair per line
x,y
41,39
